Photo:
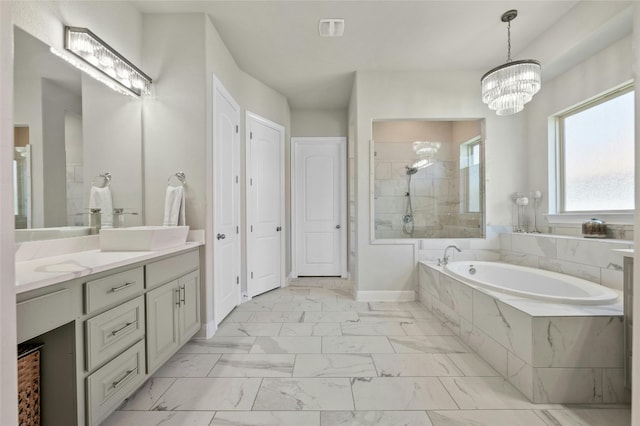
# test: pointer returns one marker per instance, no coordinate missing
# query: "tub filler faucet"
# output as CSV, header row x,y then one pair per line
x,y
445,258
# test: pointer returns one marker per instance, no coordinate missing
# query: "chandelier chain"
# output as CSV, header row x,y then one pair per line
x,y
509,41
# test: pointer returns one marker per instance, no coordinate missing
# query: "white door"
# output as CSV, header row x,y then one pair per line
x,y
265,204
226,202
319,192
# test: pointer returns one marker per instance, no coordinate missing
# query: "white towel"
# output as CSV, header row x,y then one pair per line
x,y
100,198
174,206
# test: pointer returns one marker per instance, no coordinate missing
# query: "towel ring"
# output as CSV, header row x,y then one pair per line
x,y
180,176
106,180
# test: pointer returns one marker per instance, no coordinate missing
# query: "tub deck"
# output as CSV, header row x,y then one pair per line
x,y
551,352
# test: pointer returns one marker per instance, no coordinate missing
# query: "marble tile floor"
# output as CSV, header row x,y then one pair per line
x,y
309,355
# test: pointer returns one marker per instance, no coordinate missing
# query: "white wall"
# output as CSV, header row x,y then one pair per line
x,y
318,122
174,116
635,396
435,95
182,53
118,23
598,74
8,364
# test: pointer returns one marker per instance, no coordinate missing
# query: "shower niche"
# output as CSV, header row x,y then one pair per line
x,y
428,179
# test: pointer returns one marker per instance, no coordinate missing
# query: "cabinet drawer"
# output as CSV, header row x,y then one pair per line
x,y
112,289
166,270
111,332
41,314
110,385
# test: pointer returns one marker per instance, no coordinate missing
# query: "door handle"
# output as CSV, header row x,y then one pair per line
x,y
279,228
221,236
338,226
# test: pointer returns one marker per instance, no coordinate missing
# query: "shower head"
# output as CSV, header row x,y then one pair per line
x,y
411,170
417,165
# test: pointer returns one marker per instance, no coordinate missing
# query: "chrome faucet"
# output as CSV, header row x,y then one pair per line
x,y
445,258
118,217
96,220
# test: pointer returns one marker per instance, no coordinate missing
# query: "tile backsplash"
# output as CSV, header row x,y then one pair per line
x,y
590,259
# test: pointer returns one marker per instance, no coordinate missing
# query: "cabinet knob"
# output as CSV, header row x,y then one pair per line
x,y
221,236
279,228
338,226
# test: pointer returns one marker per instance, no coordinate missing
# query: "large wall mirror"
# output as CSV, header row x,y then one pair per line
x,y
69,129
428,179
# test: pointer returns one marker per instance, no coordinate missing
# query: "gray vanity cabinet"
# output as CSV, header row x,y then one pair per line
x,y
162,320
106,333
189,313
173,307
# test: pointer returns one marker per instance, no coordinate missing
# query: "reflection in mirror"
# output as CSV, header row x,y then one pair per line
x,y
428,179
48,102
74,128
22,177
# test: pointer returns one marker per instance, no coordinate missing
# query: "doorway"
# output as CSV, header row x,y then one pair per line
x,y
265,204
226,196
318,202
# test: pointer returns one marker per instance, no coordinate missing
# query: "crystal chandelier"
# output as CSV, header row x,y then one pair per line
x,y
426,152
506,88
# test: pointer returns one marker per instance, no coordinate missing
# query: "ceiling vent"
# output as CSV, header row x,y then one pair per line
x,y
333,27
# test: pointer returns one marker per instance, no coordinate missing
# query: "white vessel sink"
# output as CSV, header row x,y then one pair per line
x,y
142,238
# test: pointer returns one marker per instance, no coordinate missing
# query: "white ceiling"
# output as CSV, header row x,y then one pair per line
x,y
277,42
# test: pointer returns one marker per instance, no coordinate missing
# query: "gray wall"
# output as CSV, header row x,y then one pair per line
x,y
183,52
318,122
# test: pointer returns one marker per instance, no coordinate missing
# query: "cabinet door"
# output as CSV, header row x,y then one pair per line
x,y
189,314
163,338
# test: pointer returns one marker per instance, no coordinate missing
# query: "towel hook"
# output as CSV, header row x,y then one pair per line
x,y
106,176
180,176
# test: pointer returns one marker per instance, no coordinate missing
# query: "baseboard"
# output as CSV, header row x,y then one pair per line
x,y
386,296
207,330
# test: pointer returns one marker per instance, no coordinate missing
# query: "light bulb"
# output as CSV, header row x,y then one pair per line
x,y
105,59
123,71
137,82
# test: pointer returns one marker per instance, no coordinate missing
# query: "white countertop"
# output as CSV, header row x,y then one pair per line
x,y
46,271
625,252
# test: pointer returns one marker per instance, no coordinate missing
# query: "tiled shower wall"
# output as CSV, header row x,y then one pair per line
x,y
434,196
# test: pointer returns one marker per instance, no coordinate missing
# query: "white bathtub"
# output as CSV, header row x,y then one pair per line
x,y
531,283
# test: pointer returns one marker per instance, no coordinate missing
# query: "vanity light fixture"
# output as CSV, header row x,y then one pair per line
x,y
102,62
508,87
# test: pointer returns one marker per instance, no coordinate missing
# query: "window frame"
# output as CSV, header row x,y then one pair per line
x,y
465,192
557,210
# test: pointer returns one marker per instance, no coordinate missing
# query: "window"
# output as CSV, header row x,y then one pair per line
x,y
596,155
470,176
